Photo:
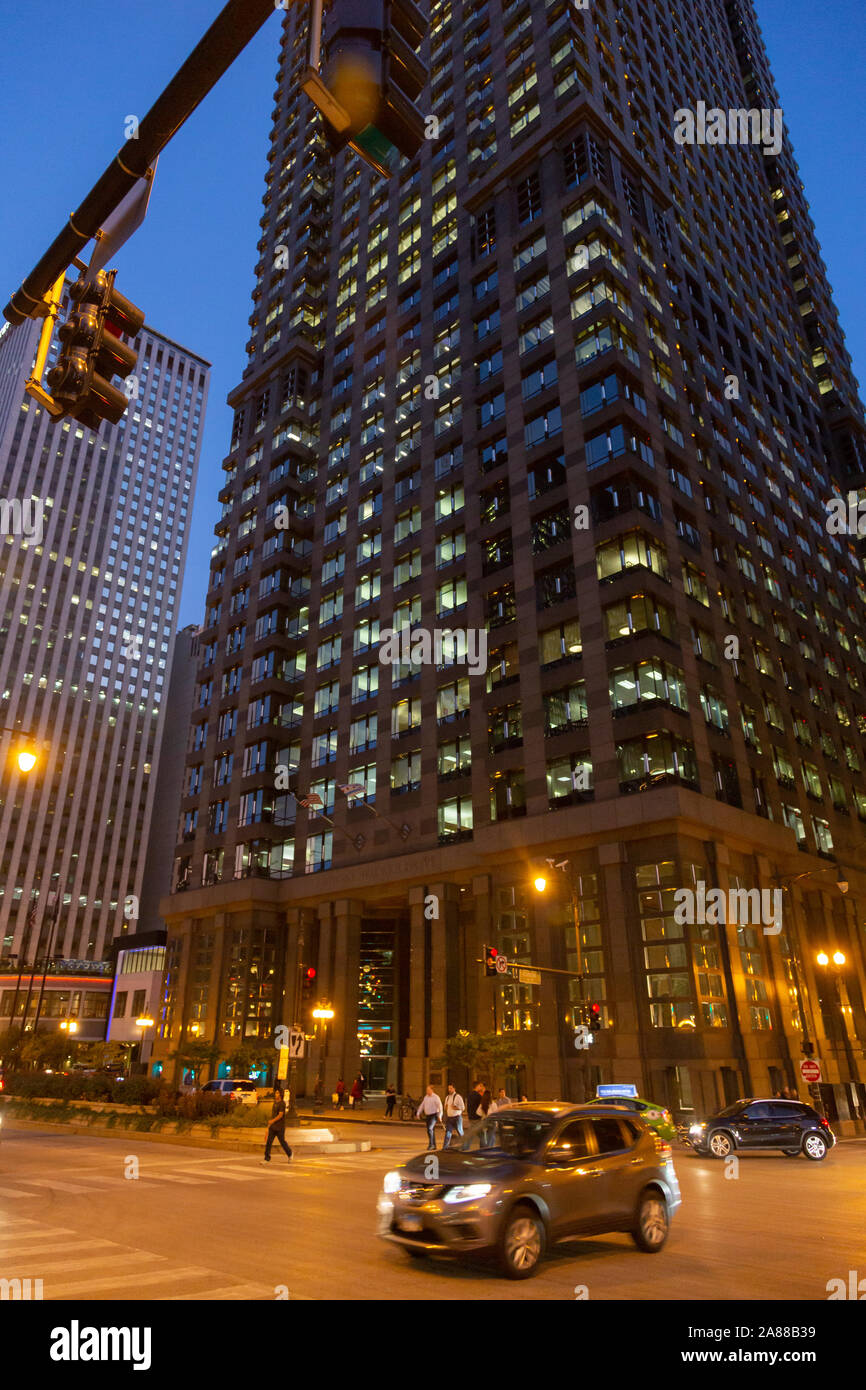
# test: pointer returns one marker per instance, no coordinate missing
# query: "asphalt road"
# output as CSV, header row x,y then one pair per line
x,y
202,1224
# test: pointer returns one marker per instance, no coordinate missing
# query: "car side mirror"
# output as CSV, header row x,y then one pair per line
x,y
559,1158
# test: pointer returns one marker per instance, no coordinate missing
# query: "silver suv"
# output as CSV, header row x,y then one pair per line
x,y
244,1091
531,1175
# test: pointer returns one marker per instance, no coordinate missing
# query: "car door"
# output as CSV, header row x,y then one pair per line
x,y
572,1178
755,1125
786,1128
621,1166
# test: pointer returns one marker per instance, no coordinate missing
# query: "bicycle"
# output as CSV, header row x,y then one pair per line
x,y
408,1108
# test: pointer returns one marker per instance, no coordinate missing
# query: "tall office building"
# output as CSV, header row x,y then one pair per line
x,y
88,616
575,387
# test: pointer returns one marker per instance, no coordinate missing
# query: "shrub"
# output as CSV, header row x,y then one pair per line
x,y
137,1090
195,1107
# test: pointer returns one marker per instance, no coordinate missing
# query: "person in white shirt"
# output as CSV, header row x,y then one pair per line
x,y
454,1108
431,1111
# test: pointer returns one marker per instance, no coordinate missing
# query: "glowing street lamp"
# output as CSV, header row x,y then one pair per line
x,y
69,1025
26,760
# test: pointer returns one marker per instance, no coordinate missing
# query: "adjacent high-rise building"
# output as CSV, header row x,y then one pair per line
x,y
571,385
91,562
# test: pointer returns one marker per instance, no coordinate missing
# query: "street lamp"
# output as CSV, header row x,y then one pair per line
x,y
26,756
322,1013
838,960
69,1025
143,1023
540,885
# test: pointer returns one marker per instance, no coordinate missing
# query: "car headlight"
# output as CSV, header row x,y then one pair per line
x,y
392,1182
469,1193
696,1129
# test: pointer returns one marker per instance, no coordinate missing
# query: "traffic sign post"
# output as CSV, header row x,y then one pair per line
x,y
296,1044
502,965
810,1070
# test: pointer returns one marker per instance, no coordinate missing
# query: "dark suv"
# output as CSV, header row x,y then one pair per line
x,y
529,1175
789,1125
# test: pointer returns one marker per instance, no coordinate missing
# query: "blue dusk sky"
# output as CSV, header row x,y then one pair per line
x,y
68,88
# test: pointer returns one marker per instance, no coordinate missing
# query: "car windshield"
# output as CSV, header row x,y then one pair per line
x,y
519,1136
732,1109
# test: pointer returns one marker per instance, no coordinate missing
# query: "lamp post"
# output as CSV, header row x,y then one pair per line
x,y
143,1023
564,867
835,964
322,1013
783,881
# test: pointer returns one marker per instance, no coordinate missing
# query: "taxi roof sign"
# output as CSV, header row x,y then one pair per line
x,y
620,1088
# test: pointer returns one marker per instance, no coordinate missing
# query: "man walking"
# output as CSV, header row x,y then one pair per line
x,y
277,1126
454,1108
475,1100
430,1110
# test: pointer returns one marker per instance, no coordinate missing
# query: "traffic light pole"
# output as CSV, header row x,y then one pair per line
x,y
225,40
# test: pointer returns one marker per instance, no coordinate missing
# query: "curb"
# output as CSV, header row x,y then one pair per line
x,y
196,1141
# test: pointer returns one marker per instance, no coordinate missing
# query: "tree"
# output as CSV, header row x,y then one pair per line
x,y
46,1049
485,1055
196,1054
10,1046
250,1056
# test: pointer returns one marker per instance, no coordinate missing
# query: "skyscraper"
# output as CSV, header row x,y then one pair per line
x,y
89,613
573,385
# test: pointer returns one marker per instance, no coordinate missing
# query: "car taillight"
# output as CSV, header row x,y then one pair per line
x,y
825,1122
665,1152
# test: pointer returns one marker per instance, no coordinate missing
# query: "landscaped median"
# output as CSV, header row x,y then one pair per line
x,y
242,1127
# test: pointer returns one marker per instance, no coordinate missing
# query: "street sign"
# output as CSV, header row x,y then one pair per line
x,y
619,1088
526,976
296,1044
502,965
810,1070
583,1038
283,1064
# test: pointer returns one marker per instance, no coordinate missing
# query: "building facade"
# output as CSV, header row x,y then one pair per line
x,y
89,613
573,388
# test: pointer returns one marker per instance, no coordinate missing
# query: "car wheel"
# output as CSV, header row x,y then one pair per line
x,y
721,1144
521,1243
653,1222
815,1146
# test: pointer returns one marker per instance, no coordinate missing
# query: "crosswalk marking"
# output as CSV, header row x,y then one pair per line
x,y
231,1292
55,1184
117,1281
13,1250
49,1268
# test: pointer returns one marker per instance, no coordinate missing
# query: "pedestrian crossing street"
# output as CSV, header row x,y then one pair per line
x,y
199,1172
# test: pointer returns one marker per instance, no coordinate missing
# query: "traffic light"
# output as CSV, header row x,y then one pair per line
x,y
595,1018
364,75
93,351
490,957
308,983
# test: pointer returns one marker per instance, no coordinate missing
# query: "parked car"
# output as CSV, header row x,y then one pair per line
x,y
789,1125
652,1114
243,1091
529,1176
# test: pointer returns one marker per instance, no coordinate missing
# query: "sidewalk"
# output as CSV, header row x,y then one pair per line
x,y
371,1113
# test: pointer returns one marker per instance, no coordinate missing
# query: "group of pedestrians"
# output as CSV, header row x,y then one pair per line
x,y
480,1104
354,1096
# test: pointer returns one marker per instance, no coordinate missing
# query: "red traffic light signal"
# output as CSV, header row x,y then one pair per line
x,y
595,1017
490,957
308,980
